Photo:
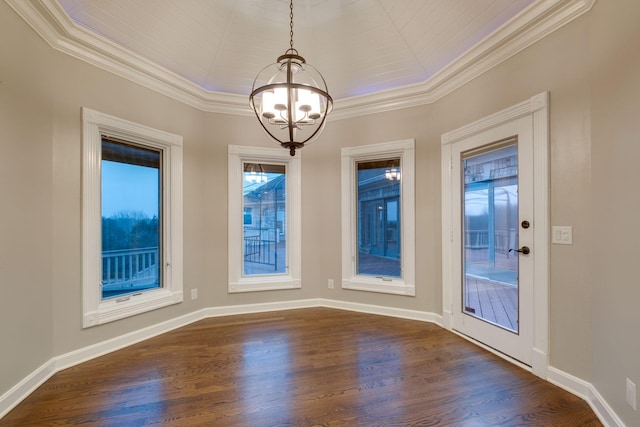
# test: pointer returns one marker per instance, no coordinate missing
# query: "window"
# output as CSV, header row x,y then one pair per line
x,y
378,218
264,247
132,218
264,219
378,208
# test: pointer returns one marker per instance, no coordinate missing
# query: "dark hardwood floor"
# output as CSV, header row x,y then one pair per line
x,y
308,367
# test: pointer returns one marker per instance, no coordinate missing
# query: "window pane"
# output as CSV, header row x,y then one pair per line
x,y
490,231
131,218
379,218
264,219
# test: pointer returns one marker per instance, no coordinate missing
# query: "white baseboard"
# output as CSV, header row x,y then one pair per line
x,y
84,354
571,383
588,392
230,310
423,316
25,387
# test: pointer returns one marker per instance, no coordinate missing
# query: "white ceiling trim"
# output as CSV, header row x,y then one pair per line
x,y
543,17
532,24
53,24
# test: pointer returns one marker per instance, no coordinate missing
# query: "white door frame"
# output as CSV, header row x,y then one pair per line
x,y
537,107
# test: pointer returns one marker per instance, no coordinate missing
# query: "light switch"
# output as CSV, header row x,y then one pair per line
x,y
562,235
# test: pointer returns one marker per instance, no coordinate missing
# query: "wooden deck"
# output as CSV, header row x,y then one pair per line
x,y
308,367
492,301
378,266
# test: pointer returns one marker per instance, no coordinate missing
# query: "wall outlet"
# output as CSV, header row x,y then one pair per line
x,y
330,283
194,293
631,394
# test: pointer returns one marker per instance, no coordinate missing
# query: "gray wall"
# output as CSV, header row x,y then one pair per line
x,y
26,126
590,67
615,201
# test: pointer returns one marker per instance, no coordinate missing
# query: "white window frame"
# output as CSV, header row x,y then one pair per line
x,y
95,310
404,285
292,278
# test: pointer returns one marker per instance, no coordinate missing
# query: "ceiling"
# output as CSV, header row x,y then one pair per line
x,y
375,55
360,46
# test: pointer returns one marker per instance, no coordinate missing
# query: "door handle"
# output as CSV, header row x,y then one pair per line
x,y
524,250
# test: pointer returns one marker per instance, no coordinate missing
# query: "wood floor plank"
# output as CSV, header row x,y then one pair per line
x,y
308,367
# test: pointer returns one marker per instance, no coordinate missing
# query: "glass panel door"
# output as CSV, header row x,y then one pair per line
x,y
493,250
490,235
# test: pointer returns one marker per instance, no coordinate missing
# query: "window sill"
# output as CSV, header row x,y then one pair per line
x,y
375,284
264,284
130,305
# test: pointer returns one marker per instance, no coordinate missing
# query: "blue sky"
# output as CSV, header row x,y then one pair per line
x,y
128,187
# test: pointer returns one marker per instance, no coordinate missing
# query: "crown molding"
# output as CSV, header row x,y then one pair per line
x,y
52,23
532,24
541,18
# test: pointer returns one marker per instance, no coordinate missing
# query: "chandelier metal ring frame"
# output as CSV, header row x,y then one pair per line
x,y
290,99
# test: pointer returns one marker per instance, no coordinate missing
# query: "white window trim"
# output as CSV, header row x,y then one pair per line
x,y
292,280
95,310
404,285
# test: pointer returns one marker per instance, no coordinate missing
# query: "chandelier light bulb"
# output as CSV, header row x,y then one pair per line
x,y
392,174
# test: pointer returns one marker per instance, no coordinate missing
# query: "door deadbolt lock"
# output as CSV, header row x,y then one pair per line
x,y
525,224
524,250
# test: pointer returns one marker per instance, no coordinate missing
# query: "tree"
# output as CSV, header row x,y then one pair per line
x,y
129,230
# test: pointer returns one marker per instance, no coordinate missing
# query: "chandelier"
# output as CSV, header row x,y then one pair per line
x,y
290,98
253,176
392,174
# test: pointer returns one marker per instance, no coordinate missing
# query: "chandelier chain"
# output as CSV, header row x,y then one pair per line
x,y
291,25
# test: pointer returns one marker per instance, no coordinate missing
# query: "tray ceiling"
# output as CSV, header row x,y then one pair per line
x,y
374,54
360,46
